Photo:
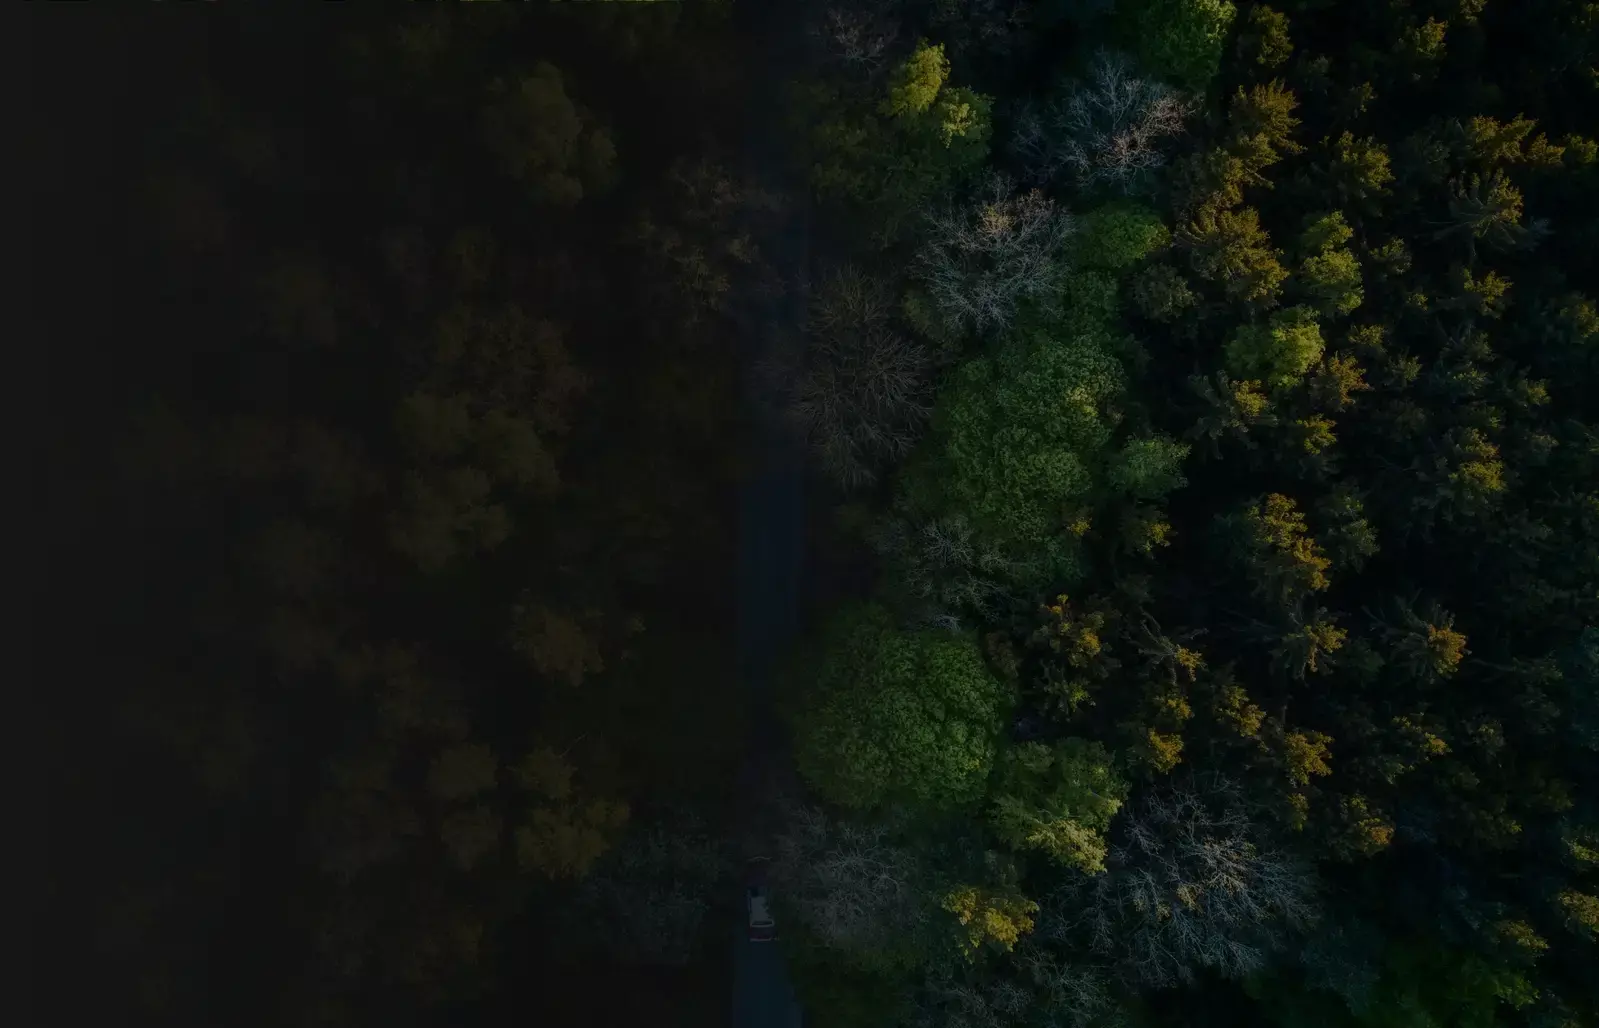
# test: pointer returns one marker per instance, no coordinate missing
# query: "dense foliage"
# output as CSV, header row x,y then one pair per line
x,y
426,680
1260,466
1201,400
898,717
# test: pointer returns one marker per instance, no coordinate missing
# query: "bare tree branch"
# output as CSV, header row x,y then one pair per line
x,y
947,570
1070,994
862,392
847,882
858,38
1188,886
999,1003
1106,131
982,260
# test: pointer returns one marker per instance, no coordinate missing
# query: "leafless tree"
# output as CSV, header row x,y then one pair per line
x,y
947,570
849,883
940,621
647,900
859,37
701,237
1188,885
849,300
1107,130
860,392
993,29
1344,958
981,260
1071,993
946,1003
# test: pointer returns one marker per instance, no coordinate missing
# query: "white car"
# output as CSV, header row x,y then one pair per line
x,y
762,927
757,903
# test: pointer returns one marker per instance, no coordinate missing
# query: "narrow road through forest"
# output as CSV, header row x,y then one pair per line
x,y
771,543
771,548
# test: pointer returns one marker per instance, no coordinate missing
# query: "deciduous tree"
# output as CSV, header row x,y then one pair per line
x,y
892,152
1189,885
1115,237
1179,40
981,261
1279,353
857,889
1016,440
647,899
897,716
861,393
1107,131
545,140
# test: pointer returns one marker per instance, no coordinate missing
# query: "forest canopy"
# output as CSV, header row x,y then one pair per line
x,y
1199,622
1258,468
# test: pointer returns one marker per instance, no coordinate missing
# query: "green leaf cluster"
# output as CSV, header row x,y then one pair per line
x,y
1058,800
896,716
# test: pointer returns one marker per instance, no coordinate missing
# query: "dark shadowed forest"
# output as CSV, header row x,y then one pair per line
x,y
1200,610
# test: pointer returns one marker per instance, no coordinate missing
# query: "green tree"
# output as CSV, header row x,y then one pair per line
x,y
1421,47
1287,562
1264,112
1160,293
1329,275
1178,40
701,239
915,83
1115,237
1280,352
563,647
462,772
990,918
1422,984
1348,536
896,716
1263,39
563,828
1231,248
1325,233
894,154
1148,467
1357,170
545,140
1489,208
1331,282
1058,800
1230,409
1018,436
1427,647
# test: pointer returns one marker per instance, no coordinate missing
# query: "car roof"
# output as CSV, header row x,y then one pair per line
x,y
758,910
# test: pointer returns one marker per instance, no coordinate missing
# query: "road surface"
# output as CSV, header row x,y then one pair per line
x,y
771,548
771,543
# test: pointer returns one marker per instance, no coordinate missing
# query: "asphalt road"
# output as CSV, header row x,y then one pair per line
x,y
771,550
763,997
771,544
